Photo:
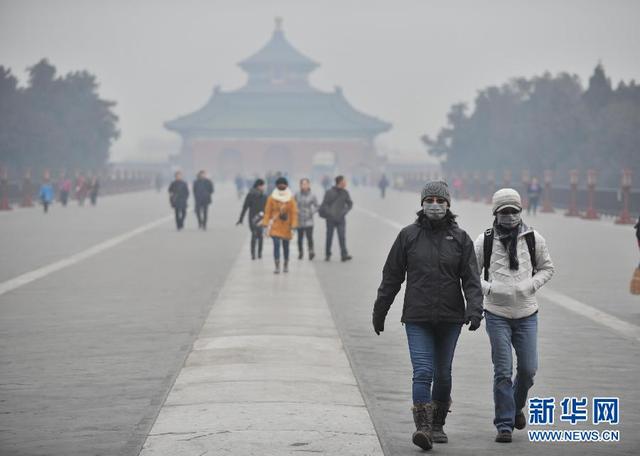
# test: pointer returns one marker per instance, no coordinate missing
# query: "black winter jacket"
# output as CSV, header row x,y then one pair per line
x,y
254,202
202,190
336,204
435,260
178,193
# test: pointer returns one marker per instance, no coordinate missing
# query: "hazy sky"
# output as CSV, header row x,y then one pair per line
x,y
403,61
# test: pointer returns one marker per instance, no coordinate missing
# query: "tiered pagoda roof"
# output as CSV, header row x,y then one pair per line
x,y
278,101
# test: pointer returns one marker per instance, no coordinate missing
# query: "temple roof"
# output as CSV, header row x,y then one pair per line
x,y
276,114
278,51
278,101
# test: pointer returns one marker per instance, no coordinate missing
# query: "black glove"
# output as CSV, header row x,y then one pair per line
x,y
473,322
378,323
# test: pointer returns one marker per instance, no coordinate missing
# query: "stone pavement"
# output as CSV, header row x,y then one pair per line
x,y
578,357
267,375
252,363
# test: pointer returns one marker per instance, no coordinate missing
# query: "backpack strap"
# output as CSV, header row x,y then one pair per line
x,y
530,237
487,248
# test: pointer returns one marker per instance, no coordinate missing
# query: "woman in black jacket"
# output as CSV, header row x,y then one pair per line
x,y
436,256
254,203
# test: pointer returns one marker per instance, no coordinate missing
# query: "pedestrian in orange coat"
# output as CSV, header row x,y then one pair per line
x,y
280,219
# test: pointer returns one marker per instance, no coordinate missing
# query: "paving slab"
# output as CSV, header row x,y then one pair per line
x,y
268,375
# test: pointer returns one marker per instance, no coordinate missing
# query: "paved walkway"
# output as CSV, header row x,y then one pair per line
x,y
267,376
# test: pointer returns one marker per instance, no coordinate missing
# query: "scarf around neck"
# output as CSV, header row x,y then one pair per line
x,y
282,196
509,239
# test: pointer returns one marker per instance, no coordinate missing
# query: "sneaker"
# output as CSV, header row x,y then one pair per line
x,y
503,437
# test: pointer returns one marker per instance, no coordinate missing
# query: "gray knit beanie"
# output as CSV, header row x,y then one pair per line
x,y
439,189
506,197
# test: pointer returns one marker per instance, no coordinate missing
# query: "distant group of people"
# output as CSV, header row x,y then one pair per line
x,y
281,213
82,189
203,190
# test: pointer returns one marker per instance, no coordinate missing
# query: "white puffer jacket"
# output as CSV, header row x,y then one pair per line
x,y
508,293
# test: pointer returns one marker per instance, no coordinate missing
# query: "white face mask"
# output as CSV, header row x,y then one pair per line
x,y
434,211
508,220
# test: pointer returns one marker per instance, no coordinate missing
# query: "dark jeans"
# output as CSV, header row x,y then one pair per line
x,y
510,396
302,232
431,347
276,248
341,226
201,213
256,240
181,213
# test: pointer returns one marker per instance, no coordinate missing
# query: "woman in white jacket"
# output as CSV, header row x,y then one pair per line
x,y
515,263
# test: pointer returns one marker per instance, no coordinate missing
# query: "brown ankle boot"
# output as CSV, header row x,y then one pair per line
x,y
423,418
440,411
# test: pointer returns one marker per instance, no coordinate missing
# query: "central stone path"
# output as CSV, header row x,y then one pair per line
x,y
268,375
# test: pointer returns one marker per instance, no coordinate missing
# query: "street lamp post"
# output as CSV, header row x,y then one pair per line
x,y
525,178
547,207
625,217
591,213
491,186
573,195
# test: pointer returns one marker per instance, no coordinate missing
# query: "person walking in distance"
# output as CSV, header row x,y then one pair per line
x,y
383,183
65,186
254,202
178,196
334,208
516,263
533,193
437,258
46,193
202,191
280,219
94,188
82,188
307,207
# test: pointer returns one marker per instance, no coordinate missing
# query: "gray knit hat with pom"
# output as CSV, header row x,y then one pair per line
x,y
438,189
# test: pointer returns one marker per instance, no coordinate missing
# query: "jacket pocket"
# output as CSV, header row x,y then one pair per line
x,y
524,289
500,293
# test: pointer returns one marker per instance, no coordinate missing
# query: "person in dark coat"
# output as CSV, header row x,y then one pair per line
x,y
382,185
334,208
94,188
178,196
254,202
202,191
438,260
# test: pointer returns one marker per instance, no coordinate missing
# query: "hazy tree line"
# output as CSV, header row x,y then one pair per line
x,y
55,122
547,122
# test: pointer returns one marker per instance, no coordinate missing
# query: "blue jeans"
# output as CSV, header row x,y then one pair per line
x,y
431,348
510,396
276,248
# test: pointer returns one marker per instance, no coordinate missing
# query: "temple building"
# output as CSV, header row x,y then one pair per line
x,y
276,122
